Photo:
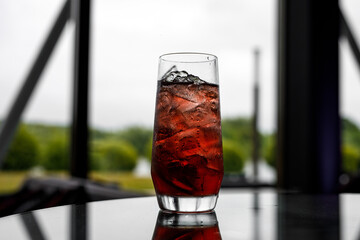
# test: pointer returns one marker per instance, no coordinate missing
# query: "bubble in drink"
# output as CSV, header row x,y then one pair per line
x,y
187,146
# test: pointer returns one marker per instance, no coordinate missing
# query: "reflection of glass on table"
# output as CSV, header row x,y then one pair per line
x,y
201,226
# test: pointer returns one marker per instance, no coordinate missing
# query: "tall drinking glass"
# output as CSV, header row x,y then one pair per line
x,y
187,160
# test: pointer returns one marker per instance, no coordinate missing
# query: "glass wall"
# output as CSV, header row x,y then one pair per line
x,y
350,98
127,39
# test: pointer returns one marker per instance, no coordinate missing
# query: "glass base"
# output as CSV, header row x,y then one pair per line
x,y
187,204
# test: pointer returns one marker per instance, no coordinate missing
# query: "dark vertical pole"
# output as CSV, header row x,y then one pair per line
x,y
255,155
78,227
310,217
308,90
256,216
79,135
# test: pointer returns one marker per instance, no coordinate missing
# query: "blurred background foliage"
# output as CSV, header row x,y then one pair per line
x,y
56,153
24,151
47,146
350,146
234,157
113,155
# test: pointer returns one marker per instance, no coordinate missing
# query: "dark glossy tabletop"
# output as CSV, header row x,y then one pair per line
x,y
241,214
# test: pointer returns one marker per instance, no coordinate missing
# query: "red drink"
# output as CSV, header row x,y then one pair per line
x,y
187,163
184,233
187,146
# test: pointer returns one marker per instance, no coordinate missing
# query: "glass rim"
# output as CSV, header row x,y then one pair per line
x,y
168,57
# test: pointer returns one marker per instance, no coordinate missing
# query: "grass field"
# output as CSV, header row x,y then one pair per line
x,y
10,181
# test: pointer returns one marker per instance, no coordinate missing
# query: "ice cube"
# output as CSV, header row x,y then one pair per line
x,y
196,114
180,77
196,80
211,94
173,68
188,143
185,92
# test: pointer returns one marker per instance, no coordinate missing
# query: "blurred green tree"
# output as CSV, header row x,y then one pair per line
x,y
137,136
96,134
23,152
350,146
148,149
351,158
113,155
269,149
234,159
239,131
56,156
45,133
350,132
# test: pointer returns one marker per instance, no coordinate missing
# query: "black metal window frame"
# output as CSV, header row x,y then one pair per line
x,y
77,11
302,55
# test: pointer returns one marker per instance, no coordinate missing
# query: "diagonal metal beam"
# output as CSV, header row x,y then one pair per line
x,y
346,31
32,226
9,126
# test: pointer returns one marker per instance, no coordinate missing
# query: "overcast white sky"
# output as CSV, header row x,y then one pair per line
x,y
128,36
